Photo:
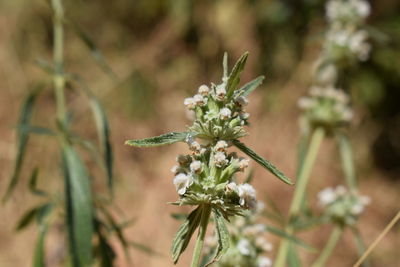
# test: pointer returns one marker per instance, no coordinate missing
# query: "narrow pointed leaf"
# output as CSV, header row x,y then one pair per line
x,y
234,76
36,130
22,137
249,87
263,162
293,258
146,249
184,234
79,208
27,218
360,246
223,236
104,249
161,140
32,184
293,239
346,156
39,252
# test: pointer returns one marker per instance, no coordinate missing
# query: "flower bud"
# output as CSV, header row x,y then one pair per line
x,y
204,90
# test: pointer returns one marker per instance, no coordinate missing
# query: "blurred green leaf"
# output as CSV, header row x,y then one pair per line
x,y
184,234
263,162
36,130
39,253
360,246
283,234
79,207
223,236
144,248
346,156
22,137
27,218
105,251
234,76
249,87
293,258
161,140
32,184
96,53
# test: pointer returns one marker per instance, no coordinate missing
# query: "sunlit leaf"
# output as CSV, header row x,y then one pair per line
x,y
223,236
249,87
79,207
234,76
184,234
22,137
263,162
161,140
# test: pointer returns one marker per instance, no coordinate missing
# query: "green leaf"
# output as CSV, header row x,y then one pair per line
x,y
27,218
79,207
360,246
104,249
223,236
263,162
36,130
346,156
39,253
96,53
184,234
234,76
293,258
32,184
293,239
103,130
161,140
22,137
249,87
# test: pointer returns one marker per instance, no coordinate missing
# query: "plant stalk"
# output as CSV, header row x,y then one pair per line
x,y
58,58
205,217
329,247
300,190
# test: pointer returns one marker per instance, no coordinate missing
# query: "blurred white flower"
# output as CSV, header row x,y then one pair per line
x,y
220,91
195,166
247,195
204,90
189,103
243,164
327,196
225,113
221,146
264,262
244,246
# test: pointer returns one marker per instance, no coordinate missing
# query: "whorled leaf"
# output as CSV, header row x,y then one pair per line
x,y
161,140
234,76
184,234
263,162
22,137
79,207
249,87
223,236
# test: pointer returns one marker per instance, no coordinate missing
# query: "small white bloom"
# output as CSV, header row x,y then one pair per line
x,y
231,187
243,164
262,243
254,230
175,169
220,159
247,195
305,103
362,8
225,113
199,100
204,90
340,190
195,166
241,101
221,146
264,262
182,182
244,246
189,103
220,91
195,147
327,196
244,115
357,209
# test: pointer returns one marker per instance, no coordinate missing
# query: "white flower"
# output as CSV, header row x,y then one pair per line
x,y
189,103
254,230
220,159
195,166
221,146
244,115
340,190
175,169
231,187
243,164
225,113
194,146
241,101
244,246
362,8
247,195
199,100
357,209
204,90
220,91
305,103
182,182
327,196
264,262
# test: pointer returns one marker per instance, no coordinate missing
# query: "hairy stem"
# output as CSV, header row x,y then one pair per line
x,y
205,217
300,190
329,247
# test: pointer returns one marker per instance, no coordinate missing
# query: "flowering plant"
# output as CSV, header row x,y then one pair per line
x,y
205,178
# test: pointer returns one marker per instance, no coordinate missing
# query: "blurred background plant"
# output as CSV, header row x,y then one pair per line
x,y
161,51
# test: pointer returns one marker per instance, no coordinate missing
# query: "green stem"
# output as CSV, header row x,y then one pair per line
x,y
205,216
329,247
58,58
346,156
300,190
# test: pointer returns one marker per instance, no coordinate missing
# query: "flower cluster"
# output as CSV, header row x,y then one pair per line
x,y
345,38
326,107
342,206
248,242
218,112
207,176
